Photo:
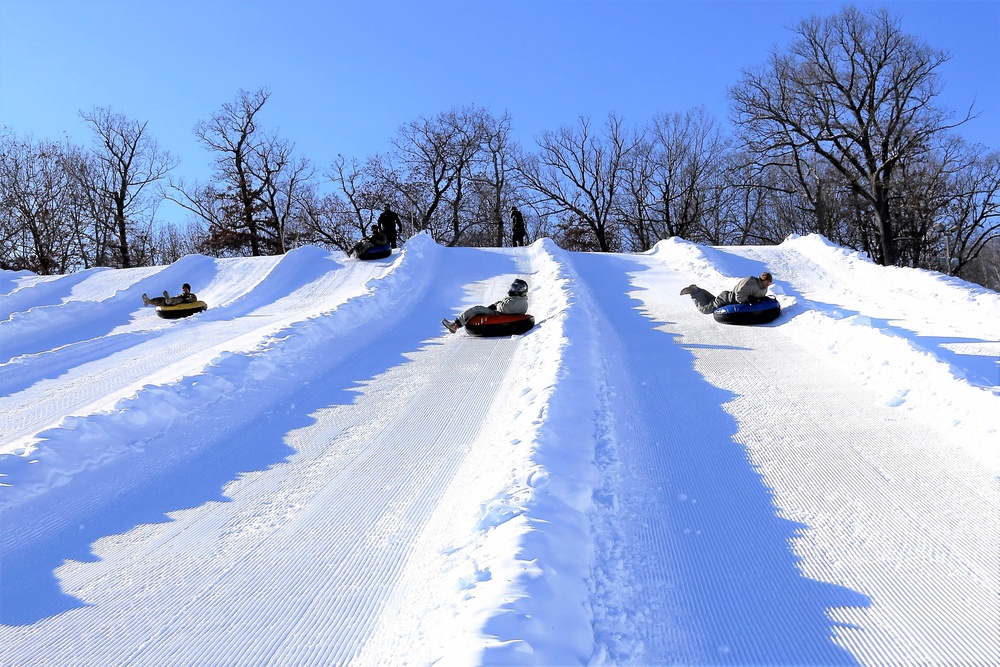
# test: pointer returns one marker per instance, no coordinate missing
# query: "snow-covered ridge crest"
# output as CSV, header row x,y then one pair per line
x,y
527,561
315,471
53,456
868,318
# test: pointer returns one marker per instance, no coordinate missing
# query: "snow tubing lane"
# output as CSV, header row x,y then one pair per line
x,y
181,310
748,313
499,325
376,252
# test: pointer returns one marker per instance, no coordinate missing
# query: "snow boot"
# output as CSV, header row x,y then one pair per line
x,y
452,327
689,289
145,300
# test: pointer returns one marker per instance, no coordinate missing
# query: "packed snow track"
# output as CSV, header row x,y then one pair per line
x,y
314,472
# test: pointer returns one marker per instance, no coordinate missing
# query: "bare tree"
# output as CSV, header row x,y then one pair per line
x,y
126,162
580,176
91,213
985,268
690,154
36,192
970,221
437,157
252,196
170,242
749,203
636,206
284,180
339,220
493,172
673,179
856,91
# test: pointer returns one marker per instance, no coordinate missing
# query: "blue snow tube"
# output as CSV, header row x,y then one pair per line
x,y
376,252
765,310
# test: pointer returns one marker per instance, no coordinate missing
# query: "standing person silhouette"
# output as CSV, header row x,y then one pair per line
x,y
517,227
388,221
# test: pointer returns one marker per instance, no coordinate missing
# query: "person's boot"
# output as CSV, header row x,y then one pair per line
x,y
145,300
452,327
689,289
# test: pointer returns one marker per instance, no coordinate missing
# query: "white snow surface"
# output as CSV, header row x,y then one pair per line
x,y
314,472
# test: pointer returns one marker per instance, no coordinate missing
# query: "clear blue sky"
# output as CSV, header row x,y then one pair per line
x,y
344,76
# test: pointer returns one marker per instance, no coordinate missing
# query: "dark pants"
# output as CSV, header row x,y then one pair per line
x,y
517,234
708,303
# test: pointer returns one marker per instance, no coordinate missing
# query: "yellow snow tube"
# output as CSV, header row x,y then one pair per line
x,y
181,310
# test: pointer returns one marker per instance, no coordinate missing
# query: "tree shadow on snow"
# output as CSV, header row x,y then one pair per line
x,y
192,464
192,473
981,370
714,577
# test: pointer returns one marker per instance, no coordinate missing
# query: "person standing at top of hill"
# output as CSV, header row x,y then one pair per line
x,y
748,290
388,221
186,296
517,227
515,303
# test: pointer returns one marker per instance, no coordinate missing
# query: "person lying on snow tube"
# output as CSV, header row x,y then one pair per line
x,y
515,303
186,296
749,290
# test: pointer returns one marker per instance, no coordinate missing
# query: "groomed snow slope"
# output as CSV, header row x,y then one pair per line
x,y
314,472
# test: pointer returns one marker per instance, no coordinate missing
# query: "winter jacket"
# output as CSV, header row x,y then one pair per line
x,y
389,222
190,297
512,305
749,289
366,244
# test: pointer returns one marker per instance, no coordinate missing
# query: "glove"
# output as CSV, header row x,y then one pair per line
x,y
492,306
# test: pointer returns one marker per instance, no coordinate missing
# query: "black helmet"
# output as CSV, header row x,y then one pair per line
x,y
518,288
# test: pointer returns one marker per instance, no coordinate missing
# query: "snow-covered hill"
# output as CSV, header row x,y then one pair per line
x,y
314,472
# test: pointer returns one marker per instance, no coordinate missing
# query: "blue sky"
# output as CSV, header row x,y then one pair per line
x,y
344,76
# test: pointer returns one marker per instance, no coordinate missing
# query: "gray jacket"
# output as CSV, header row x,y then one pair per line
x,y
748,288
512,305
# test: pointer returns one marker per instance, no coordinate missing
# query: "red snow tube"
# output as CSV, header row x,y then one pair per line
x,y
499,325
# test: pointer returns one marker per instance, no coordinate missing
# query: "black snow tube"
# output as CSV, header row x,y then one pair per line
x,y
499,325
376,252
761,312
181,310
